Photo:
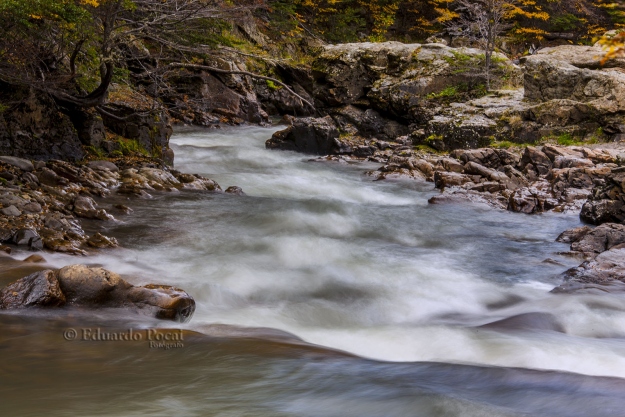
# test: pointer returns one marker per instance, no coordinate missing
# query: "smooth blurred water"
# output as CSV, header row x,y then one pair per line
x,y
320,250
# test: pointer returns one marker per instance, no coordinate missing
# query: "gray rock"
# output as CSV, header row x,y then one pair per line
x,y
23,164
573,235
607,269
11,211
86,207
310,135
600,239
103,166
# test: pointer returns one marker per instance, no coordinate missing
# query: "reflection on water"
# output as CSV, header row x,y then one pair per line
x,y
320,251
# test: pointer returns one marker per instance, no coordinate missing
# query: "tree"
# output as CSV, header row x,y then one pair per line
x,y
482,21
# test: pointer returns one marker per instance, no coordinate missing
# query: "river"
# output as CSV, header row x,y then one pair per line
x,y
368,302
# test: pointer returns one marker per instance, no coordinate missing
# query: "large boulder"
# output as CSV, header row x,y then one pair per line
x,y
82,286
581,89
310,135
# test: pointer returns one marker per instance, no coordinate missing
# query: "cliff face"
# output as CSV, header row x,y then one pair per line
x,y
35,127
434,95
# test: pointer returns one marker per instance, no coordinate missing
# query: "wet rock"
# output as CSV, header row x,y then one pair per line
x,y
123,208
310,135
598,212
97,287
23,164
11,211
28,237
6,249
600,239
100,241
235,190
86,207
34,259
40,289
573,235
79,285
601,273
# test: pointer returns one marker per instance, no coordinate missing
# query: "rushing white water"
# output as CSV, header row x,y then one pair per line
x,y
320,250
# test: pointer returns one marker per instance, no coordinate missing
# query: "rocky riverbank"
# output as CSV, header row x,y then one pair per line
x,y
421,111
42,207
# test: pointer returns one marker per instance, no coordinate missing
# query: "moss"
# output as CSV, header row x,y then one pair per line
x,y
447,92
272,86
433,138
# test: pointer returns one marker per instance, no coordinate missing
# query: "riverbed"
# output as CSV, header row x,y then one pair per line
x,y
369,300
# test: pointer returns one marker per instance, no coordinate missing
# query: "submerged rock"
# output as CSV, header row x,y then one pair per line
x,y
79,285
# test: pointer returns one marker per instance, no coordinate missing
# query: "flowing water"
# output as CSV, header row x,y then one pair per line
x,y
371,303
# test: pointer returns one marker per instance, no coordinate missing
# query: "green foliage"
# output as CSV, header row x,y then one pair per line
x,y
447,92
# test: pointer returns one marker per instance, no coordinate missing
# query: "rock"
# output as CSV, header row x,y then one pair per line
x,y
451,165
139,117
488,157
6,249
443,180
474,168
100,241
600,239
79,285
40,289
600,273
86,207
11,211
124,209
602,211
367,123
539,160
235,190
32,207
23,164
204,98
36,128
34,259
48,177
28,237
309,135
97,287
561,73
103,166
573,235
395,78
